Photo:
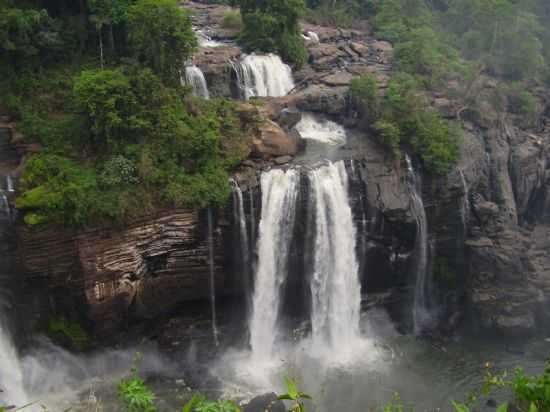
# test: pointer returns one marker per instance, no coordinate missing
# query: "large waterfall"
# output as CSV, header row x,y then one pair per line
x,y
335,287
279,192
194,77
331,266
263,76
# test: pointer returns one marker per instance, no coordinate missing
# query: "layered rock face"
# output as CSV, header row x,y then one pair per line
x,y
109,276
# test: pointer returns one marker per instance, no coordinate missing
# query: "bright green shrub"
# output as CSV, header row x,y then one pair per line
x,y
161,36
272,27
232,20
135,396
389,135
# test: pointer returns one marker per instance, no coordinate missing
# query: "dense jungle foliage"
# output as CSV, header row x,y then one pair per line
x,y
97,84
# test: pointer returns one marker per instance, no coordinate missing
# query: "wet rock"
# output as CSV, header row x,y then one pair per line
x,y
359,48
338,79
263,403
491,403
282,160
273,141
289,117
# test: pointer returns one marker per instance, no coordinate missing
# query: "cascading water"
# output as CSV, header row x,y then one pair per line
x,y
311,36
194,77
263,76
244,246
321,130
335,287
212,276
421,313
279,192
205,40
11,374
9,183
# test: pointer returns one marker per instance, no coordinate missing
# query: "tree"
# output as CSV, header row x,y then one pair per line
x,y
110,13
271,26
161,36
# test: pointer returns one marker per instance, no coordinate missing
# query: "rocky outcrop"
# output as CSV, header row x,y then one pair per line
x,y
113,275
273,141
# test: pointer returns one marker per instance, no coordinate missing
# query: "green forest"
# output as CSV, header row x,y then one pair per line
x,y
97,84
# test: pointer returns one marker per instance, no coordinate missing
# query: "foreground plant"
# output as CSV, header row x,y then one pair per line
x,y
294,395
133,393
199,403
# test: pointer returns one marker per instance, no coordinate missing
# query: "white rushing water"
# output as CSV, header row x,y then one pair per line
x,y
322,130
11,373
335,287
421,313
9,184
263,76
465,204
239,219
194,77
311,36
205,40
279,192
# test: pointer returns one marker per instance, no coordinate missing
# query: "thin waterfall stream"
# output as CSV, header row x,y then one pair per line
x,y
211,267
422,317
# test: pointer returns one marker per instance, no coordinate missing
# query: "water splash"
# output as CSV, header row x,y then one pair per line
x,y
322,130
263,76
311,36
335,287
211,268
279,192
194,77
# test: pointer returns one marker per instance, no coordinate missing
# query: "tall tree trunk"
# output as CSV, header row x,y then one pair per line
x,y
100,35
83,25
112,39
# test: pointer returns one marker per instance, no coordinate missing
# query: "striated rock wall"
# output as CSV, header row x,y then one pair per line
x,y
109,276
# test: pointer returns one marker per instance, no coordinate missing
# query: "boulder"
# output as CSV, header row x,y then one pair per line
x,y
273,141
340,78
289,117
359,48
265,403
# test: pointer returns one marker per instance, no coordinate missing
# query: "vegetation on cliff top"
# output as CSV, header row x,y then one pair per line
x,y
272,26
120,136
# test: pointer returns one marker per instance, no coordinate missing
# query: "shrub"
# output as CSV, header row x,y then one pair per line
x,y
232,20
118,170
133,393
67,333
389,135
272,27
161,36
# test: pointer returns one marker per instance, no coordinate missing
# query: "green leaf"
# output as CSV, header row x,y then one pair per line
x,y
533,407
503,407
460,407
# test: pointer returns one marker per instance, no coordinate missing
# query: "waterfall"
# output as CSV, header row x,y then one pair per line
x,y
311,36
279,192
465,204
263,76
11,371
335,287
322,130
205,40
421,313
212,276
239,219
194,77
9,183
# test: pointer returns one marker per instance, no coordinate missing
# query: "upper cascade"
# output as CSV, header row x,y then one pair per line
x,y
205,40
194,77
322,130
263,76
